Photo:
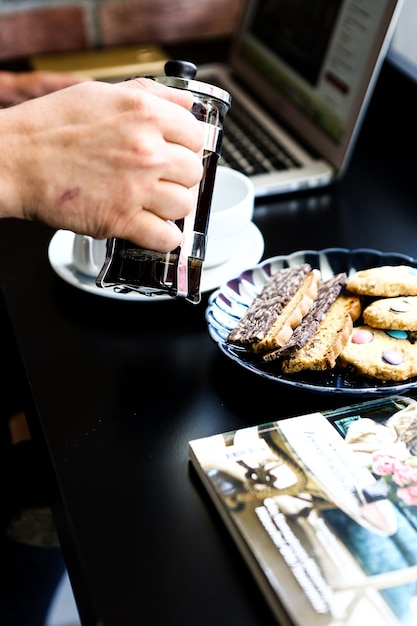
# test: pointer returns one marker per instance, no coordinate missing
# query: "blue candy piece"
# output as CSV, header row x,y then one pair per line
x,y
397,334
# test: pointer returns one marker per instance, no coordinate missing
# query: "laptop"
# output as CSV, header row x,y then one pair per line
x,y
300,73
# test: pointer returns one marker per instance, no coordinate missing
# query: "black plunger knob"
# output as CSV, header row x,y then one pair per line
x,y
182,69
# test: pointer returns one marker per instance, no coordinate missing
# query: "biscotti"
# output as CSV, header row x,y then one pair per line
x,y
322,349
327,293
270,319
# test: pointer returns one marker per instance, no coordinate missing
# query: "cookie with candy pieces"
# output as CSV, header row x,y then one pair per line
x,y
385,281
398,313
381,354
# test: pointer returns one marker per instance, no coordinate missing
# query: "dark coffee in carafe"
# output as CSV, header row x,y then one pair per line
x,y
177,273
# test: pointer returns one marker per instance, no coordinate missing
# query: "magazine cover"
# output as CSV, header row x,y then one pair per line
x,y
324,509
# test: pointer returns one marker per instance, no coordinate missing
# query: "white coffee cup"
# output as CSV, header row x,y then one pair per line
x,y
231,212
88,254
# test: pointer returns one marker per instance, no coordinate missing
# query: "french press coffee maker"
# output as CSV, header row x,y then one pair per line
x,y
176,273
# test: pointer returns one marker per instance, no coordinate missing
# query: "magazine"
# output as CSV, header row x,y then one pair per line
x,y
323,507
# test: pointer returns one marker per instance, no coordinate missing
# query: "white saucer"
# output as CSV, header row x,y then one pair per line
x,y
250,251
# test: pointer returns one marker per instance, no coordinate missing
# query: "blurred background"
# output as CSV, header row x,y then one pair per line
x,y
33,27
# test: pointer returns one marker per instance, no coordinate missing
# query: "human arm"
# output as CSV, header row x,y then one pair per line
x,y
16,87
104,160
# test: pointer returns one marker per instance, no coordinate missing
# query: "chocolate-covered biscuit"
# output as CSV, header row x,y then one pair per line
x,y
326,294
285,299
324,346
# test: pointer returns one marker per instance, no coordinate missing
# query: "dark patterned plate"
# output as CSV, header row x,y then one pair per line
x,y
229,303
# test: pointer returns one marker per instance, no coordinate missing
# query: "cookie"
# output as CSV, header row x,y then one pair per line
x,y
373,352
398,313
277,310
386,281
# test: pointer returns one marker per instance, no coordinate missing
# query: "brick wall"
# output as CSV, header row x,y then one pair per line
x,y
35,26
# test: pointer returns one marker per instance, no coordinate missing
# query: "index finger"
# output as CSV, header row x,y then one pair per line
x,y
179,96
167,109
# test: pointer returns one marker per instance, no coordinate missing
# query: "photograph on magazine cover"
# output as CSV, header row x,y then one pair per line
x,y
325,505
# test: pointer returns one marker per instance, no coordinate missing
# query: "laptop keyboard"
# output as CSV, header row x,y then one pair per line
x,y
248,148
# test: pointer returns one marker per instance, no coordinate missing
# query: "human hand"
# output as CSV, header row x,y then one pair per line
x,y
105,160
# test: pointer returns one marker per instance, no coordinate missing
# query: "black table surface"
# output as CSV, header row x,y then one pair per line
x,y
117,389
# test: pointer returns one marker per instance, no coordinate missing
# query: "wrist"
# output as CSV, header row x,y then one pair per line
x,y
12,184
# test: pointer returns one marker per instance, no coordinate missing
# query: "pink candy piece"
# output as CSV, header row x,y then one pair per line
x,y
362,336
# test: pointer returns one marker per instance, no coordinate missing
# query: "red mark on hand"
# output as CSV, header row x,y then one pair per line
x,y
69,195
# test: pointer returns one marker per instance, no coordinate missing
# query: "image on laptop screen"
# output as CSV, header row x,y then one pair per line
x,y
313,61
301,73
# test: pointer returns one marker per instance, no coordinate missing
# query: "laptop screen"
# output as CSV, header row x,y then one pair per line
x,y
313,62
